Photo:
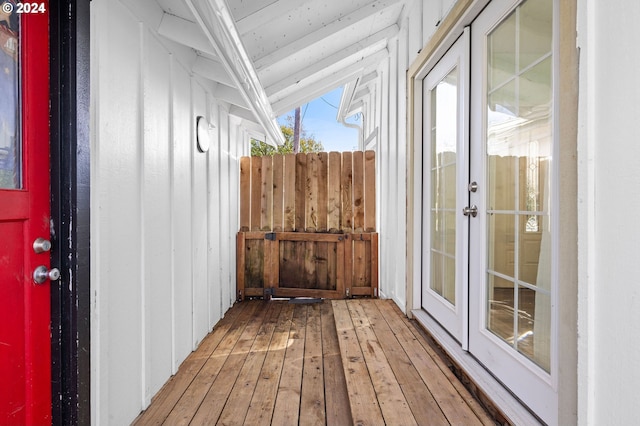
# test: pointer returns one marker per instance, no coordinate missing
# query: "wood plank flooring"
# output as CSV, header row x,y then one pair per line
x,y
341,362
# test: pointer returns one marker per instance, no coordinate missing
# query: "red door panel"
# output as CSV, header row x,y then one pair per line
x,y
25,346
12,360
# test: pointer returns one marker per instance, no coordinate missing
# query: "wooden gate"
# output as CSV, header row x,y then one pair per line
x,y
308,226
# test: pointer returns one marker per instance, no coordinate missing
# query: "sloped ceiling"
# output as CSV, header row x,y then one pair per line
x,y
297,49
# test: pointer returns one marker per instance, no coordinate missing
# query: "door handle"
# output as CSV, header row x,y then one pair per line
x,y
473,211
41,274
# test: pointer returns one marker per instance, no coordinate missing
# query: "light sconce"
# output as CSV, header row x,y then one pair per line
x,y
203,133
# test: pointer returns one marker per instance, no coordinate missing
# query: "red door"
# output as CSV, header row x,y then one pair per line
x,y
25,347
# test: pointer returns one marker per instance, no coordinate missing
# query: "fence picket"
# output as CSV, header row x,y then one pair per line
x,y
346,182
301,189
322,164
266,199
358,191
311,193
245,193
289,192
334,204
256,192
369,191
278,193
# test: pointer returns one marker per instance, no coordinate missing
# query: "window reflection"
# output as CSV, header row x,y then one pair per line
x,y
519,145
444,137
10,146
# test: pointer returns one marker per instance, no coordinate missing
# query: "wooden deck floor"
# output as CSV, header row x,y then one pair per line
x,y
341,362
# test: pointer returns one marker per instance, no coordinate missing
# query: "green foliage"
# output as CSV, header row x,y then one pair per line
x,y
308,143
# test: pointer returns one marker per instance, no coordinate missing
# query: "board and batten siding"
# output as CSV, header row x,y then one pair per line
x,y
163,214
385,131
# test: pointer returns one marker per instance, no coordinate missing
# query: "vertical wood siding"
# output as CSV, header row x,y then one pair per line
x,y
164,215
156,211
385,118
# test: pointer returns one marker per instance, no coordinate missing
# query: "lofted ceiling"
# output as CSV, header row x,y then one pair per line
x,y
267,57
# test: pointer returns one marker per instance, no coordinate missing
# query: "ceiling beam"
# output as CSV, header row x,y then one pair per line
x,y
312,92
211,70
229,94
355,49
305,91
361,93
216,21
366,79
346,100
185,32
354,108
254,130
333,27
245,114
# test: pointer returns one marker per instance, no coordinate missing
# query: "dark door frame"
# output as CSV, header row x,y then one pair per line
x,y
69,34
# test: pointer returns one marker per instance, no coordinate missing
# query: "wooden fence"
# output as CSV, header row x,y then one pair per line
x,y
307,226
318,192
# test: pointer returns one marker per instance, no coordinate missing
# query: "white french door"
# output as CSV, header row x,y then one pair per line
x,y
446,164
512,145
488,273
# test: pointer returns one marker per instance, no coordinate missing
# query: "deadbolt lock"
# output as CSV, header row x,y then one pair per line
x,y
40,245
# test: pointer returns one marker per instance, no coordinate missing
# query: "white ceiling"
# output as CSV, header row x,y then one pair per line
x,y
297,49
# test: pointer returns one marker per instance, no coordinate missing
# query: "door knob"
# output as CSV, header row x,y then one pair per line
x,y
473,211
41,274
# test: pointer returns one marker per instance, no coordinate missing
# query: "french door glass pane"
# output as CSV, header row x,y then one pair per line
x,y
500,307
10,140
535,19
519,142
444,109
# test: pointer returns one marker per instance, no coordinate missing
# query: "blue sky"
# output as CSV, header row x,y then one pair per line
x,y
319,120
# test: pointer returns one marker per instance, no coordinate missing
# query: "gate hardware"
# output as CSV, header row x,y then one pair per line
x,y
271,236
269,292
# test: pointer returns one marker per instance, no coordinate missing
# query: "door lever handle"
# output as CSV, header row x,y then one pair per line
x,y
473,211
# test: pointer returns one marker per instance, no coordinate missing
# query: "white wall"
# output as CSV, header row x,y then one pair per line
x,y
609,178
163,217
